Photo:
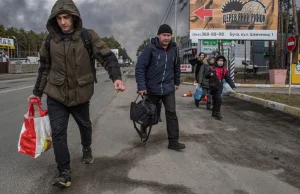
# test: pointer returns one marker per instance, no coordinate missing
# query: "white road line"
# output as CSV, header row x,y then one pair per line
x,y
5,91
127,72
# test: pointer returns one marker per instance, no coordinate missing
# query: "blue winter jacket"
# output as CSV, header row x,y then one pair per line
x,y
157,70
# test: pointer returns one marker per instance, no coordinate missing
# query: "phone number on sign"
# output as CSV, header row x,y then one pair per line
x,y
209,34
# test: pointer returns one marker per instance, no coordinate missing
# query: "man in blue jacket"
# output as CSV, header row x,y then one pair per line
x,y
158,75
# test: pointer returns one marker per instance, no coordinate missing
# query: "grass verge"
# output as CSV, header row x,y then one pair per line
x,y
291,100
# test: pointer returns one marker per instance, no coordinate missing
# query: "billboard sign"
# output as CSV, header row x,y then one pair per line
x,y
6,42
233,19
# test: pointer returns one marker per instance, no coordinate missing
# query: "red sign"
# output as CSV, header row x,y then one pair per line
x,y
186,68
291,43
202,12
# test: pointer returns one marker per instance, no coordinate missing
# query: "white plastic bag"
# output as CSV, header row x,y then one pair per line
x,y
226,89
35,137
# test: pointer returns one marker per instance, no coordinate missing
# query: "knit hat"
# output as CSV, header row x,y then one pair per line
x,y
165,28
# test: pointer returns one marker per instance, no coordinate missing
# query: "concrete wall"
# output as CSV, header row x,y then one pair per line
x,y
23,68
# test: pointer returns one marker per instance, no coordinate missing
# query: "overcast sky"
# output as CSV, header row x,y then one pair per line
x,y
123,19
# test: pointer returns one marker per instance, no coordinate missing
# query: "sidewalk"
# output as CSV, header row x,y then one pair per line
x,y
220,157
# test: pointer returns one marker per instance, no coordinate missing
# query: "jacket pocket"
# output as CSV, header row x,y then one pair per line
x,y
55,87
85,89
84,80
56,79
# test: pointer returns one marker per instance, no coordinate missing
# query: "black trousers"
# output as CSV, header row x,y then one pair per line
x,y
217,100
209,97
170,111
59,117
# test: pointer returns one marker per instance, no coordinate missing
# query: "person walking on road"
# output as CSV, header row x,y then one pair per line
x,y
216,75
66,77
198,62
158,76
204,83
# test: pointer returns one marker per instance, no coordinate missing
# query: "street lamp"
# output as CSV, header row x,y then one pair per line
x,y
148,33
17,53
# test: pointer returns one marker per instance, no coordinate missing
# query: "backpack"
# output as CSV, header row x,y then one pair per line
x,y
144,113
87,41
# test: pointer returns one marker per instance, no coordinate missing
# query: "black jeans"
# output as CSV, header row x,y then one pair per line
x,y
170,111
217,100
59,117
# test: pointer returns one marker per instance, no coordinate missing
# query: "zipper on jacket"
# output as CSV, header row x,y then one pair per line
x,y
163,78
76,66
67,86
157,60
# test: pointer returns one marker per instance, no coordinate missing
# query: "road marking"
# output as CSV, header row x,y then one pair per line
x,y
5,91
127,72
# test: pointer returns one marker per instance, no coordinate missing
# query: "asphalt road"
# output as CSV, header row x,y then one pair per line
x,y
19,173
254,150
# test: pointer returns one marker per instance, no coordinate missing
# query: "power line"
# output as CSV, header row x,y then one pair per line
x,y
163,18
184,5
169,12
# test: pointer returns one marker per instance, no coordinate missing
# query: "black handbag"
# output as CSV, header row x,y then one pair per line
x,y
143,113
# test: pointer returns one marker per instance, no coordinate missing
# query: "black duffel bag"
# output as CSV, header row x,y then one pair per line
x,y
143,113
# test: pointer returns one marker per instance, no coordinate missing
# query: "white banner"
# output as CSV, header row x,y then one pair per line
x,y
6,41
233,35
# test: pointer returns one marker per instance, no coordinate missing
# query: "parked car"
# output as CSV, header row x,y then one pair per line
x,y
240,64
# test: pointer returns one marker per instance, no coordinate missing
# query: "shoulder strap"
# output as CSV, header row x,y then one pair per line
x,y
47,43
87,41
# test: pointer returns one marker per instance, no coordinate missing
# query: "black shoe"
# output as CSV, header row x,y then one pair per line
x,y
208,107
87,156
63,180
197,102
213,114
176,146
143,131
219,116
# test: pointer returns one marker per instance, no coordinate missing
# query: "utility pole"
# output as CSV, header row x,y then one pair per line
x,y
176,5
295,18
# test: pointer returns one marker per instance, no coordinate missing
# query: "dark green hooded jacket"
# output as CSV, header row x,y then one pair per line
x,y
65,74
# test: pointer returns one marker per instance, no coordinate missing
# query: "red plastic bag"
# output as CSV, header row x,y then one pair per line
x,y
35,137
204,99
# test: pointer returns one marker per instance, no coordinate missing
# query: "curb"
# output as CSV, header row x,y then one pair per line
x,y
255,85
266,85
270,104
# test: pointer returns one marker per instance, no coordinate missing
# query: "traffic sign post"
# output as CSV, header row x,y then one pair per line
x,y
290,46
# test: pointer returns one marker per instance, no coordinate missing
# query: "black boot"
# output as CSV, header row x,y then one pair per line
x,y
63,180
197,103
176,145
218,115
213,114
208,106
87,157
